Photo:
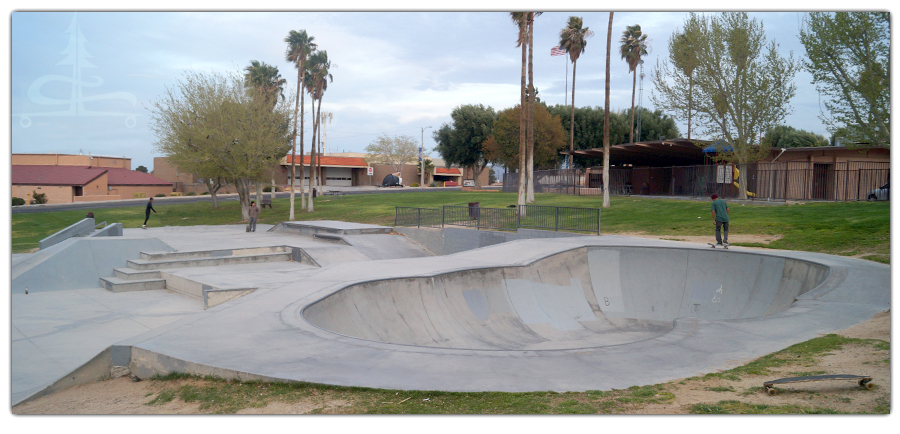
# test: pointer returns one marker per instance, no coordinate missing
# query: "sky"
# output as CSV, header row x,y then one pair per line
x,y
395,72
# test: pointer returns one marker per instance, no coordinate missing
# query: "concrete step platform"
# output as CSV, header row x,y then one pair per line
x,y
219,253
310,228
132,274
143,264
116,284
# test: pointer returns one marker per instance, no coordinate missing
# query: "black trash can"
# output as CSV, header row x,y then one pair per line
x,y
473,210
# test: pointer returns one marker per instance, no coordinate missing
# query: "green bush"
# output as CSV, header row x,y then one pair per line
x,y
160,195
190,193
415,184
18,201
205,192
432,184
38,198
269,189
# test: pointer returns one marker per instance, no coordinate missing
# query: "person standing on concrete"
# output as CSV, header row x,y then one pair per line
x,y
149,208
720,215
254,214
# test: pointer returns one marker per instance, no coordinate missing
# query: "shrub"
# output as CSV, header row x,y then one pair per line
x,y
205,192
18,201
38,198
269,189
432,184
415,184
190,193
160,195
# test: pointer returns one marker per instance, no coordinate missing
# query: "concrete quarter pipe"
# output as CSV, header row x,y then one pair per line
x,y
561,314
583,298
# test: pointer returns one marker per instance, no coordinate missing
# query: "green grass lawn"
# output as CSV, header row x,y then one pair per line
x,y
840,228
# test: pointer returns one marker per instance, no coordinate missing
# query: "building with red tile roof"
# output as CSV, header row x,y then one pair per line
x,y
64,178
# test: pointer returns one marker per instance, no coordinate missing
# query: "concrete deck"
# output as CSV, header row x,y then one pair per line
x,y
541,303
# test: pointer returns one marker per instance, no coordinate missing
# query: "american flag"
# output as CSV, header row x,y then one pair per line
x,y
556,51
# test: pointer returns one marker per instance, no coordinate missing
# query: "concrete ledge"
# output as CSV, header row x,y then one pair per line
x,y
219,253
80,229
216,296
97,369
113,230
116,284
451,240
310,228
147,364
132,274
141,264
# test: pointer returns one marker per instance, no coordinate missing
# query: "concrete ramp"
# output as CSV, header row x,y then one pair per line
x,y
583,298
77,263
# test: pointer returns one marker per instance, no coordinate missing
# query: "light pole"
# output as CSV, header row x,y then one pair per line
x,y
422,161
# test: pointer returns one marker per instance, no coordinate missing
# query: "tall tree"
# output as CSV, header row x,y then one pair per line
x,y
395,151
633,46
463,142
573,40
606,118
317,83
210,124
520,20
300,46
848,54
784,136
677,97
549,139
531,94
743,86
265,82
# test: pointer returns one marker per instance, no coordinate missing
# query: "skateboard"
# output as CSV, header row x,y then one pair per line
x,y
725,245
862,380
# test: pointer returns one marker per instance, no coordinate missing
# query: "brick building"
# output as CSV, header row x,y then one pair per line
x,y
67,178
338,170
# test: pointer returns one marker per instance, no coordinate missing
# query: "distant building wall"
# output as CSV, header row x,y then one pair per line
x,y
127,191
164,170
70,160
55,193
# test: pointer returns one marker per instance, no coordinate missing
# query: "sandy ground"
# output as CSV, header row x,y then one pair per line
x,y
123,396
711,238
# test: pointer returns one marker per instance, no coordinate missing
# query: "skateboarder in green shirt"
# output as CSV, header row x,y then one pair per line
x,y
720,215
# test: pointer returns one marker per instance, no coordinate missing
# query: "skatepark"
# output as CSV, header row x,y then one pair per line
x,y
425,309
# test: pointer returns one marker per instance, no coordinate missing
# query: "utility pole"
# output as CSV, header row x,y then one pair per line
x,y
421,160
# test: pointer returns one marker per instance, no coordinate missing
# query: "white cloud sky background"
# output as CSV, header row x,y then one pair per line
x,y
395,73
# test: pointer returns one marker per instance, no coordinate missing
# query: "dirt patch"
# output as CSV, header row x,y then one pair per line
x,y
732,238
123,396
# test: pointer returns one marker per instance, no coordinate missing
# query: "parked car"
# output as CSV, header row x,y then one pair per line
x,y
880,193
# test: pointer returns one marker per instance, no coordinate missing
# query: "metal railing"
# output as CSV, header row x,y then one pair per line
x,y
569,219
559,218
418,217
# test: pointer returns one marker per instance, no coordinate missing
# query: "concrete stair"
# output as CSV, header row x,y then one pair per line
x,y
145,273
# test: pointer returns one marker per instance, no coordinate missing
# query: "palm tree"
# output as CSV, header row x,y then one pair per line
x,y
633,47
316,84
606,119
300,45
265,80
529,174
520,20
572,40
